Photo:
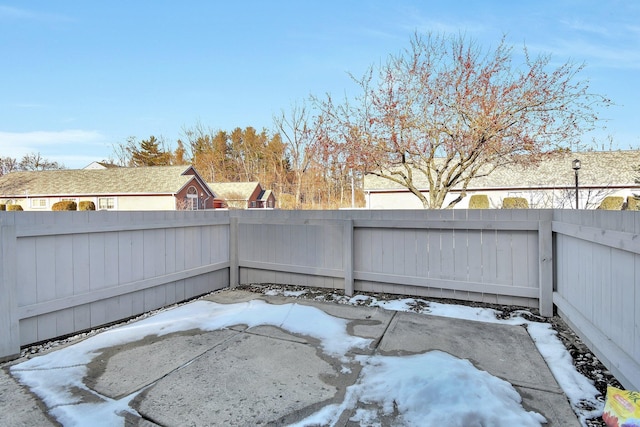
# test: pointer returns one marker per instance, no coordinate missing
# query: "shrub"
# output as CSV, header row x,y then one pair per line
x,y
612,203
3,207
65,205
479,201
633,203
515,203
86,205
14,208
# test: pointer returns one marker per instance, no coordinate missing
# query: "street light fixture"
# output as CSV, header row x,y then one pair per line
x,y
576,167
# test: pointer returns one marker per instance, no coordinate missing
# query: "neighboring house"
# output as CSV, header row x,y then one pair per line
x,y
243,195
123,189
100,165
550,184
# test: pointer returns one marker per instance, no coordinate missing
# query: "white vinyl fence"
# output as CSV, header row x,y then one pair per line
x,y
64,272
597,263
495,256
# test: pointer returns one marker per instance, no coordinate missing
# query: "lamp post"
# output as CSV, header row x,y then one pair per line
x,y
576,167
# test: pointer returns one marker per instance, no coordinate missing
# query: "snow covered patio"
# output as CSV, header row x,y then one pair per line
x,y
242,358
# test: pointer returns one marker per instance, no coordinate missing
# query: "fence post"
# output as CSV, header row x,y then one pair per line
x,y
9,325
234,264
348,257
545,266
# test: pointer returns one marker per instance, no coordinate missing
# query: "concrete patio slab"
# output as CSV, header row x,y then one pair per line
x,y
265,375
18,407
502,350
249,380
115,373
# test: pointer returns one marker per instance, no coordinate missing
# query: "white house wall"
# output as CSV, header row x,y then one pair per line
x,y
539,199
121,203
145,203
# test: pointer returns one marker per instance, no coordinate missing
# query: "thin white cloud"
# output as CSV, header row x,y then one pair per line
x,y
579,25
14,13
41,138
444,27
72,148
416,21
593,53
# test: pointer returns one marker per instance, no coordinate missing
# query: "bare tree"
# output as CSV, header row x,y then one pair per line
x,y
8,165
122,152
300,134
444,112
35,162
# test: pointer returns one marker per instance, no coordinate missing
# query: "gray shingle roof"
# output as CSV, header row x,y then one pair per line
x,y
233,190
112,181
265,195
598,169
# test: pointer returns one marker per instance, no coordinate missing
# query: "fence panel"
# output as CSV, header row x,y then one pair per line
x,y
597,263
289,251
78,270
426,253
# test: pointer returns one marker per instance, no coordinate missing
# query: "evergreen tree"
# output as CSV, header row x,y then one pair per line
x,y
150,153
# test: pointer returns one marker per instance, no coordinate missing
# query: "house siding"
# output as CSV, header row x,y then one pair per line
x,y
132,189
558,198
205,200
549,184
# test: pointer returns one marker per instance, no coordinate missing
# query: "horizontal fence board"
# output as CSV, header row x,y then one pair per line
x,y
57,230
447,284
102,294
289,268
448,224
616,239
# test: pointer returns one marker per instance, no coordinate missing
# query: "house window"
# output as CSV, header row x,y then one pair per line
x,y
106,203
38,203
253,203
192,198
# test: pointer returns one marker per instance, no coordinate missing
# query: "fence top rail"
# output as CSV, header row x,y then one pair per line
x,y
622,240
461,224
290,221
36,230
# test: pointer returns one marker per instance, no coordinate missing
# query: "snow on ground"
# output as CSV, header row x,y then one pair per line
x,y
458,394
394,383
580,390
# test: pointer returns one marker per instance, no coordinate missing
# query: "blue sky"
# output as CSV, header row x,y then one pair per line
x,y
79,76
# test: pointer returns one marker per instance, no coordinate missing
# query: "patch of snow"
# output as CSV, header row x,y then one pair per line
x,y
580,391
294,293
430,389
